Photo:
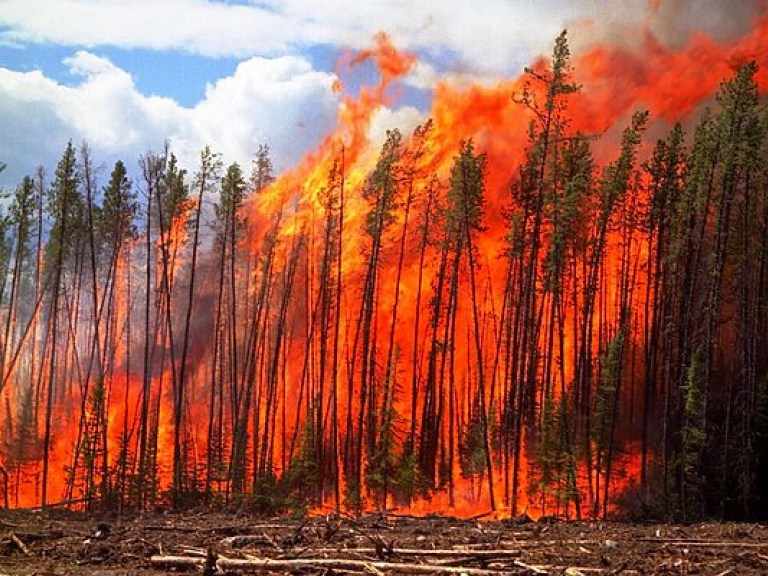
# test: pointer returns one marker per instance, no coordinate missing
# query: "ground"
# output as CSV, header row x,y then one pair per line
x,y
58,543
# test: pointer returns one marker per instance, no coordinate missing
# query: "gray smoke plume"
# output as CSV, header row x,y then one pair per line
x,y
724,20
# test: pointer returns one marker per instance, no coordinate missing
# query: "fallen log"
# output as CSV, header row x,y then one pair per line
x,y
248,540
427,552
19,544
703,543
530,568
279,565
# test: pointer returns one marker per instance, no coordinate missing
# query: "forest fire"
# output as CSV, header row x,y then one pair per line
x,y
523,307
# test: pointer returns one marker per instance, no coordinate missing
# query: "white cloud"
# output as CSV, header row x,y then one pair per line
x,y
196,26
283,102
405,119
488,36
106,108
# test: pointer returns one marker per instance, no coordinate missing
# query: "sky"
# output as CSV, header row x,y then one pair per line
x,y
127,76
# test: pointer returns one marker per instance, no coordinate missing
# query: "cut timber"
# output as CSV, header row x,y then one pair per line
x,y
704,543
530,568
21,546
332,563
247,540
427,552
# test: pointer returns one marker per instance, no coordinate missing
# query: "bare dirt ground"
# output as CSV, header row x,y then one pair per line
x,y
56,543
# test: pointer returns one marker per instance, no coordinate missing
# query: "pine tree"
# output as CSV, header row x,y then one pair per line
x,y
382,194
694,439
116,229
228,226
665,170
205,179
64,204
539,194
465,219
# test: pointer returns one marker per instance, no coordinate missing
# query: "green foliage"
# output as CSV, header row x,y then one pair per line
x,y
353,496
6,243
553,478
123,474
738,98
758,491
465,198
617,178
472,457
381,473
271,497
568,457
176,191
208,175
21,439
172,192
381,189
149,480
86,480
65,207
407,480
581,248
228,210
556,81
605,397
761,415
644,503
665,169
118,209
263,172
301,481
548,450
190,492
699,167
567,207
22,213
694,440
554,184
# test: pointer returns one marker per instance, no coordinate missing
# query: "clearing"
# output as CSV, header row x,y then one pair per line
x,y
58,543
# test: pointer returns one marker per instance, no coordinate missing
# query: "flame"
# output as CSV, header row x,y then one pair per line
x,y
287,222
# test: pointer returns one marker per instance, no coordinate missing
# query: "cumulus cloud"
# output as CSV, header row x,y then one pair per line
x,y
488,36
282,101
405,119
197,26
493,35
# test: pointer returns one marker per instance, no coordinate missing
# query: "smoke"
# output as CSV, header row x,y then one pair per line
x,y
674,21
671,23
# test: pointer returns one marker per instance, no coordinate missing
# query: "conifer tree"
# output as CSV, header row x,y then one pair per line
x,y
382,194
205,179
465,213
228,227
64,206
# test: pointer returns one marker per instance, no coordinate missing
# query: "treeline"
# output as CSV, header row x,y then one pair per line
x,y
384,335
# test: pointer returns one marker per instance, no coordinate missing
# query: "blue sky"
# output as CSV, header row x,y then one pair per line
x,y
126,76
180,76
